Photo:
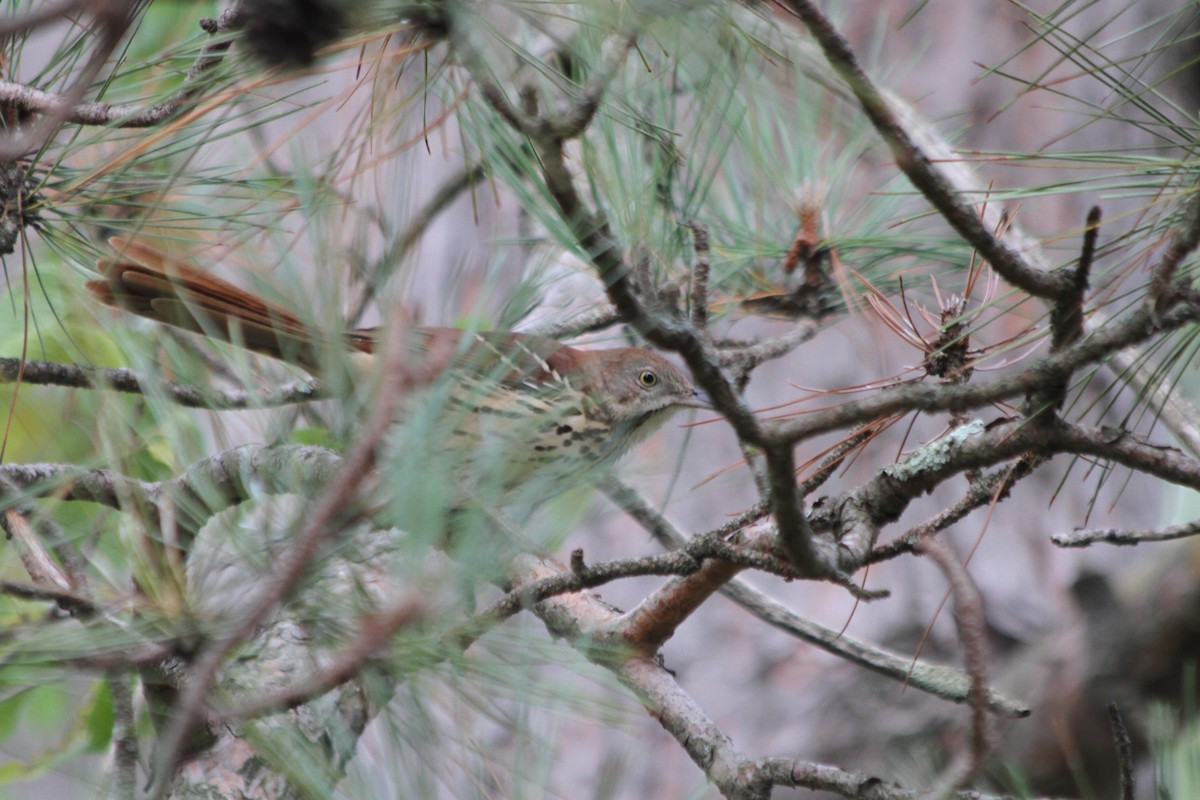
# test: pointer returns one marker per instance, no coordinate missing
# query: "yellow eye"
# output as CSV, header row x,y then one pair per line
x,y
647,379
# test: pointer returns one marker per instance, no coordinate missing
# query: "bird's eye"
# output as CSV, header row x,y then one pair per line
x,y
647,379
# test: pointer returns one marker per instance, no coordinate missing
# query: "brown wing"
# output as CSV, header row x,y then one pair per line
x,y
162,287
154,284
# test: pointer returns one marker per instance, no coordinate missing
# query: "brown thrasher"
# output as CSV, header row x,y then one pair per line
x,y
544,408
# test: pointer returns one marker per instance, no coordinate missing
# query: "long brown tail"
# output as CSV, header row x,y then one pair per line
x,y
154,284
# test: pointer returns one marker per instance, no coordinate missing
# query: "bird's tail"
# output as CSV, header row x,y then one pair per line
x,y
153,284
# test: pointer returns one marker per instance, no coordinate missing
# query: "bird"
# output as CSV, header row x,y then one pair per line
x,y
530,408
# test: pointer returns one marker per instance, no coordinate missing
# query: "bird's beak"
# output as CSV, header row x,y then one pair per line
x,y
699,399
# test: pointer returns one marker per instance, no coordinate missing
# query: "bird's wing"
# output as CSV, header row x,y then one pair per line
x,y
154,284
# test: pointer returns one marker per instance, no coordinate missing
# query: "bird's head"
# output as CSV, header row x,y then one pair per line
x,y
637,391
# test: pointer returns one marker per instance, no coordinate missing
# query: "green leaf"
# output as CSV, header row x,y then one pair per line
x,y
10,712
97,720
90,733
316,437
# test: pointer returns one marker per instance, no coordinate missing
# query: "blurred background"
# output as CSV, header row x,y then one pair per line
x,y
351,189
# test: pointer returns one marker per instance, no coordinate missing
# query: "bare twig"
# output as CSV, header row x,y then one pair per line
x,y
856,785
124,736
68,108
1066,321
34,557
744,359
655,619
944,682
856,517
203,489
984,489
1132,329
584,576
572,616
787,503
734,544
1124,748
1176,412
705,743
1084,538
573,120
33,530
62,597
972,635
119,379
1163,291
915,163
112,20
698,296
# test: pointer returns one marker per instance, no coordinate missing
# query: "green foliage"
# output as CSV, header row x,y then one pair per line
x,y
40,710
717,115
